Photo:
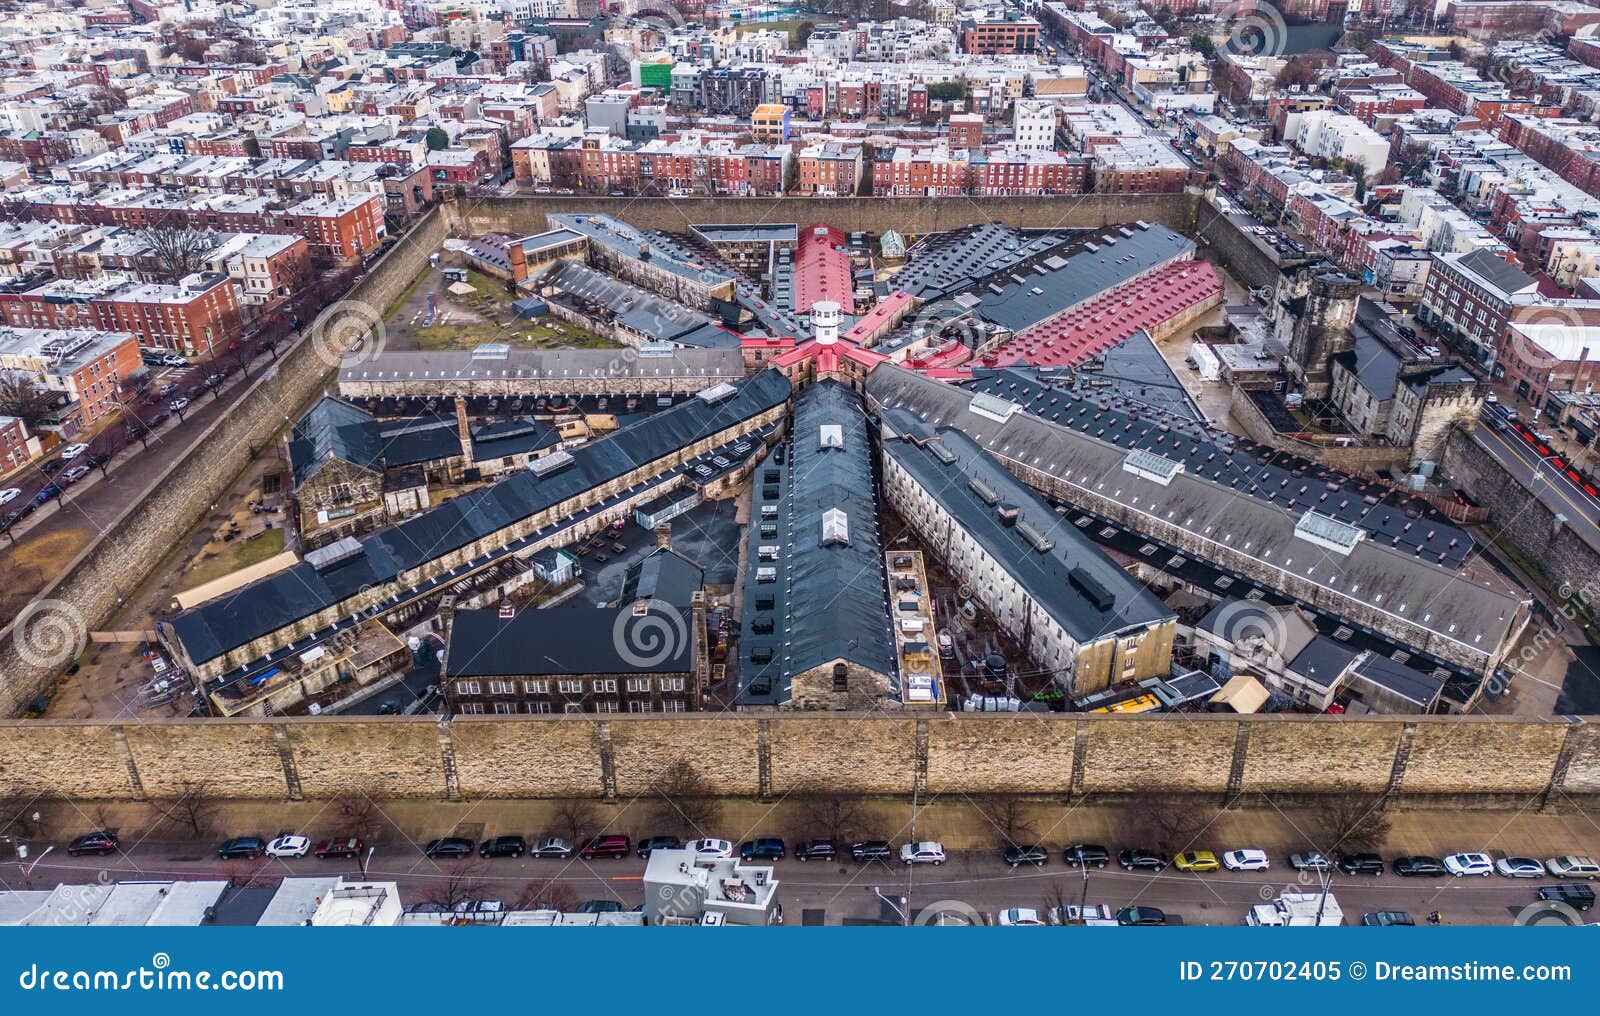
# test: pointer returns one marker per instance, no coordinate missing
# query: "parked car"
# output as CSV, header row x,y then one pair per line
x,y
344,846
600,907
1019,917
1388,919
650,844
9,495
1520,867
1570,866
925,852
178,405
613,847
1080,854
166,389
1030,854
73,475
871,850
815,850
1196,861
448,848
46,492
765,849
1360,864
137,430
1141,917
72,451
709,848
102,842
50,465
1419,867
1246,859
551,847
1142,860
1310,860
242,847
503,846
289,846
1469,864
1574,894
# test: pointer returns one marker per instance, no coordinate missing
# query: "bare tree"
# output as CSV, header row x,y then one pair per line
x,y
461,881
839,819
21,397
17,816
573,819
546,894
683,802
190,808
1170,821
1007,815
360,816
178,249
1353,823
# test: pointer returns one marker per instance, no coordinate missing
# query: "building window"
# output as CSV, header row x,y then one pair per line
x,y
471,707
536,687
502,687
606,685
570,687
469,688
671,684
503,708
638,684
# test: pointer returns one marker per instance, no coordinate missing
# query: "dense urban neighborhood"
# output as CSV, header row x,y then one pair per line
x,y
1143,456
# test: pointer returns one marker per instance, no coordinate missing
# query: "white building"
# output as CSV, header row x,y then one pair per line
x,y
1325,134
1033,123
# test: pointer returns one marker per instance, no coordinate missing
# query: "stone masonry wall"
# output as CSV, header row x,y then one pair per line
x,y
524,215
88,590
1523,519
1421,761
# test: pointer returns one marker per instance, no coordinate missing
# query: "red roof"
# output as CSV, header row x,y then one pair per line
x,y
822,269
1096,325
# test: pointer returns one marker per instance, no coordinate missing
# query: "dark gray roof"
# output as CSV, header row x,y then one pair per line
x,y
1375,365
1397,678
829,599
1085,451
944,263
1243,465
512,437
735,232
1323,660
1043,288
1133,369
1496,271
333,430
1053,578
564,640
213,628
663,574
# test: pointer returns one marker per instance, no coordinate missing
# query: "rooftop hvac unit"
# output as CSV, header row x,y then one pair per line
x,y
340,550
1091,588
716,393
1036,539
983,490
548,464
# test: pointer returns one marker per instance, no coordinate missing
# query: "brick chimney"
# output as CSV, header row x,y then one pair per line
x,y
464,430
663,534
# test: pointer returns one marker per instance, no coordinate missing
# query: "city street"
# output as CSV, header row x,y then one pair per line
x,y
1550,485
840,892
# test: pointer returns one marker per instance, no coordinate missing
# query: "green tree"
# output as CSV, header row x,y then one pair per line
x,y
1201,43
437,139
944,91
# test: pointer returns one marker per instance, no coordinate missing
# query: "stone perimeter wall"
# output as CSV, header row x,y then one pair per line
x,y
1549,763
87,592
524,215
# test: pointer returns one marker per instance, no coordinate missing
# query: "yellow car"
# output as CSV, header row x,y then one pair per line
x,y
1197,860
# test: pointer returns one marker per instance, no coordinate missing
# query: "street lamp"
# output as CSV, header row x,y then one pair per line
x,y
901,909
366,860
41,857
